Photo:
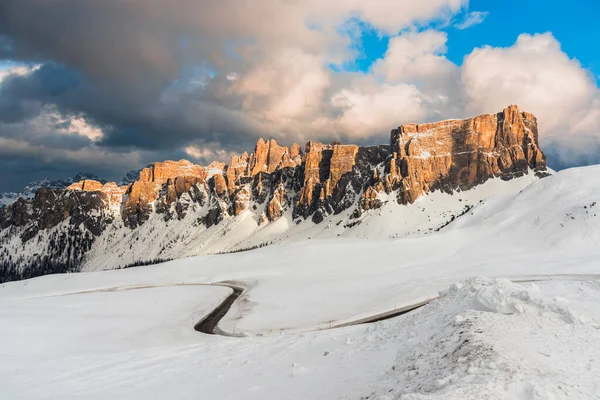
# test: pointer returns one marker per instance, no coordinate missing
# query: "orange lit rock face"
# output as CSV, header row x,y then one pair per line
x,y
87,184
139,203
277,206
113,192
220,185
269,157
160,172
241,200
459,154
324,165
175,187
235,170
325,179
342,162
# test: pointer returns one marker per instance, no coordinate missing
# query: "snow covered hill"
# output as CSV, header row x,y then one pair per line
x,y
482,339
130,333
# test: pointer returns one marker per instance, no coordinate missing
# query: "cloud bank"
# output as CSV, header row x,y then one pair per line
x,y
110,86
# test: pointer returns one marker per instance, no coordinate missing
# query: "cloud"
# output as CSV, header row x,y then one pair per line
x,y
538,76
369,110
208,153
157,76
471,19
27,161
16,70
413,82
146,80
414,56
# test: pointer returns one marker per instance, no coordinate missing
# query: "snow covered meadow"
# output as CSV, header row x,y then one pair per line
x,y
130,333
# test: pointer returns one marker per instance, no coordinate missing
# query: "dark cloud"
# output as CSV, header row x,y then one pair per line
x,y
155,76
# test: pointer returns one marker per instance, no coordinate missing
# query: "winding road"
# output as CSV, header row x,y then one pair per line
x,y
209,324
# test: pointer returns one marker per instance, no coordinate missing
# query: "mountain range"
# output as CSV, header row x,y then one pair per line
x,y
29,190
275,194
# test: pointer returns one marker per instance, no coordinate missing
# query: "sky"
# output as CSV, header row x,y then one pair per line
x,y
107,87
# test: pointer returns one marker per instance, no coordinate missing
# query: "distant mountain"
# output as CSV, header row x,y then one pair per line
x,y
132,176
28,191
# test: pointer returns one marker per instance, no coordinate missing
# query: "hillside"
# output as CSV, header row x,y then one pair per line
x,y
482,337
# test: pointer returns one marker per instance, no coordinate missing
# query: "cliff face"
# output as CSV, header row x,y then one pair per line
x,y
460,154
313,183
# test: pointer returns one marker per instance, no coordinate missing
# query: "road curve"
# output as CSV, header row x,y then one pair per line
x,y
209,323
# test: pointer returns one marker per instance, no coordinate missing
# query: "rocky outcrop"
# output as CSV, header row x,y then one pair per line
x,y
114,193
460,154
87,185
269,157
160,172
311,183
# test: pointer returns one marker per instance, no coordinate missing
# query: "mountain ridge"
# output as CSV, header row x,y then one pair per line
x,y
7,198
256,190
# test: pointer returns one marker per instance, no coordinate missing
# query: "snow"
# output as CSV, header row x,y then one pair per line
x,y
99,315
482,339
119,246
496,339
131,334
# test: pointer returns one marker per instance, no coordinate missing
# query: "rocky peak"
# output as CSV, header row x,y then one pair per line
x,y
268,157
322,179
315,182
160,172
324,165
459,154
29,191
86,184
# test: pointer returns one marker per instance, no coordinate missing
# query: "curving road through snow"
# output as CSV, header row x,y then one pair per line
x,y
209,323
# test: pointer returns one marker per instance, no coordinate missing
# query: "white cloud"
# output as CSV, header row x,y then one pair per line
x,y
269,74
52,122
414,56
538,76
414,82
286,85
371,110
419,58
471,19
208,153
17,70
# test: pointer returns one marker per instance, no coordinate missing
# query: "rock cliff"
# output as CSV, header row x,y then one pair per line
x,y
313,183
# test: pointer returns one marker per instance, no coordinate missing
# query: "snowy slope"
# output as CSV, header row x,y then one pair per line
x,y
378,275
481,339
157,239
498,340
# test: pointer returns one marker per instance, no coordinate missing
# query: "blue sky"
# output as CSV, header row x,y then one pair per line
x,y
574,24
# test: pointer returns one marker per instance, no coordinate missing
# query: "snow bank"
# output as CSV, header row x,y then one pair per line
x,y
495,339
